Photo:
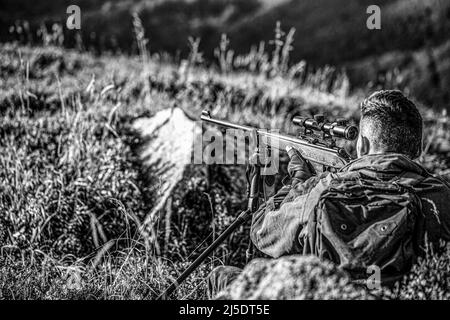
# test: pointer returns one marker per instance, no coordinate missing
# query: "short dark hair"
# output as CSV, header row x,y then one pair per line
x,y
396,124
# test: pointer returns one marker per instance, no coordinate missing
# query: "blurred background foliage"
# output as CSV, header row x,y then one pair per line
x,y
412,49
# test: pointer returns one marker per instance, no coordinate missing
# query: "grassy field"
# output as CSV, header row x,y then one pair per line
x,y
411,50
74,194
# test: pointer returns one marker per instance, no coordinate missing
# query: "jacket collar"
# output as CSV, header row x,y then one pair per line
x,y
386,164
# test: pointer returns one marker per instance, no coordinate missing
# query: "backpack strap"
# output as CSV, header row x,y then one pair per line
x,y
410,179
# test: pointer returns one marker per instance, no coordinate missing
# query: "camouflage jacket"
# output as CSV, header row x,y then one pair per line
x,y
277,225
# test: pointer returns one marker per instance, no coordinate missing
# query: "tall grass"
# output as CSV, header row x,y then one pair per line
x,y
73,193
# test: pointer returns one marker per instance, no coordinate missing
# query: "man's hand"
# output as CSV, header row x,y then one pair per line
x,y
298,168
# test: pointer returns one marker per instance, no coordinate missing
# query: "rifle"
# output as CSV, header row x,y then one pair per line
x,y
320,149
316,142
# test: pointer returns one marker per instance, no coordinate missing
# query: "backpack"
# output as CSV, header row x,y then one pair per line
x,y
361,223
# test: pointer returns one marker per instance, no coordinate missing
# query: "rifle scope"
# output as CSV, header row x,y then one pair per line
x,y
339,128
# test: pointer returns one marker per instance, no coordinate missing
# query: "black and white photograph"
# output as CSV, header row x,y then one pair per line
x,y
192,153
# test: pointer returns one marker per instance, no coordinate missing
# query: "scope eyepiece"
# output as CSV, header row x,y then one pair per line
x,y
338,129
347,132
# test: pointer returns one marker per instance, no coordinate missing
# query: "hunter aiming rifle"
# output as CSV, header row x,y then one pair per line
x,y
315,142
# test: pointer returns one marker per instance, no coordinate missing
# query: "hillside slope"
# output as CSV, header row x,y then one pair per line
x,y
408,53
328,31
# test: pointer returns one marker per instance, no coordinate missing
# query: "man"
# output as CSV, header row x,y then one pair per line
x,y
390,138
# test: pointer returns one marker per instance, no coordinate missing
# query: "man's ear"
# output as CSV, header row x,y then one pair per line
x,y
363,146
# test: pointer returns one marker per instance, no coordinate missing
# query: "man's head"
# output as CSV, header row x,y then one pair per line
x,y
390,122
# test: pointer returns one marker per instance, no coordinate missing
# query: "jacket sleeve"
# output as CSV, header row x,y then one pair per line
x,y
435,195
277,224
